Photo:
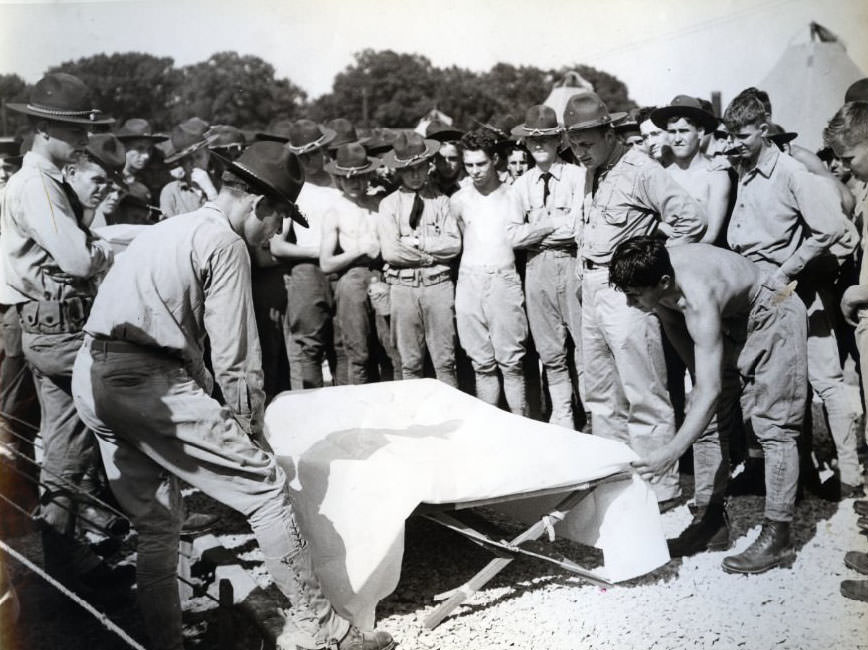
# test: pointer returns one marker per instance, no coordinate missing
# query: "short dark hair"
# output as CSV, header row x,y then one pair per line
x,y
639,262
642,113
746,108
848,127
761,95
480,139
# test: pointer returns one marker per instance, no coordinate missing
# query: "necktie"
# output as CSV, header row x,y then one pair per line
x,y
546,177
416,211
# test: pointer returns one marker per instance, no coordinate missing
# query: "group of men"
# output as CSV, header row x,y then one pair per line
x,y
312,250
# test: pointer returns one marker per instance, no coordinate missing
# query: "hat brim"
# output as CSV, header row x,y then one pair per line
x,y
332,167
521,131
593,124
445,135
661,116
250,177
783,138
27,109
126,137
391,160
186,151
626,125
324,141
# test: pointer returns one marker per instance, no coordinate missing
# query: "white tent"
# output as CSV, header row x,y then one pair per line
x,y
572,84
807,85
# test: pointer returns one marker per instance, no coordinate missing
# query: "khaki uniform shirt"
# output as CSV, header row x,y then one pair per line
x,y
564,203
47,253
784,215
636,196
178,281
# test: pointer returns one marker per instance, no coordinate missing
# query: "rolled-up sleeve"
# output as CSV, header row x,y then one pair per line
x,y
684,218
231,325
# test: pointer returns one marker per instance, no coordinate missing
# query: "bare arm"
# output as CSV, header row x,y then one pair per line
x,y
329,260
283,249
704,325
718,202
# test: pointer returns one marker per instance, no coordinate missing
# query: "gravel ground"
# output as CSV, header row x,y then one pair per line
x,y
688,603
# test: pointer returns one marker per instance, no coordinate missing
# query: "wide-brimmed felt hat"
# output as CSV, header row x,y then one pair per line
x,y
585,110
224,136
351,159
344,130
305,136
277,131
442,132
539,120
626,123
410,149
268,167
685,106
501,125
187,138
777,134
380,141
109,152
138,129
62,97
857,92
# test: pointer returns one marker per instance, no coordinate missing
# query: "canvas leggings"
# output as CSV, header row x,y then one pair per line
x,y
155,425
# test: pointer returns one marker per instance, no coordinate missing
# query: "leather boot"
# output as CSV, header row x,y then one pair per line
x,y
358,640
855,589
857,561
709,531
772,548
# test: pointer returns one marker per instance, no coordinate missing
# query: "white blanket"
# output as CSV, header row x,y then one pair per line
x,y
361,458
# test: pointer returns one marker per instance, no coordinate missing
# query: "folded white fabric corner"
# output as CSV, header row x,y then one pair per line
x,y
360,459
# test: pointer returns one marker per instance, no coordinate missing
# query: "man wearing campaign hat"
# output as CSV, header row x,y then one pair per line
x,y
687,122
626,194
190,153
449,174
51,264
310,299
141,382
419,237
92,172
350,247
551,193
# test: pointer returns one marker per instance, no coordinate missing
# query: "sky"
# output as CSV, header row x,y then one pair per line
x,y
659,48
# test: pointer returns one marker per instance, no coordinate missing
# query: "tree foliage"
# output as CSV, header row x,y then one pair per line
x,y
233,89
132,84
12,89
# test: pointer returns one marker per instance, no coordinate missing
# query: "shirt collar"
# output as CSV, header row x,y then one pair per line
x,y
556,170
766,161
43,164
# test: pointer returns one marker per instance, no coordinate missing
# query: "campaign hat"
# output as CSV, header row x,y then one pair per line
x,y
187,138
62,97
685,106
350,160
269,167
277,131
777,134
225,137
857,92
305,136
380,141
109,153
539,120
410,149
344,130
585,110
442,132
136,128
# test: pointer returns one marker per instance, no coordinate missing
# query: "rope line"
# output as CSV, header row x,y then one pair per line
x,y
106,622
9,416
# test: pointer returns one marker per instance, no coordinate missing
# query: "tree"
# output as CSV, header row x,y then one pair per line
x,y
131,84
611,90
12,89
233,89
517,88
381,89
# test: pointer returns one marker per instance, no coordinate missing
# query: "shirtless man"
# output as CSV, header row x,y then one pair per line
x,y
489,304
350,246
707,182
733,325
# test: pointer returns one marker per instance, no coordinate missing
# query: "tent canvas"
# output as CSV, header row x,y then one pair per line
x,y
807,85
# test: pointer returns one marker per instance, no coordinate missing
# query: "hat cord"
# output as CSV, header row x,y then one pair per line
x,y
310,146
91,112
